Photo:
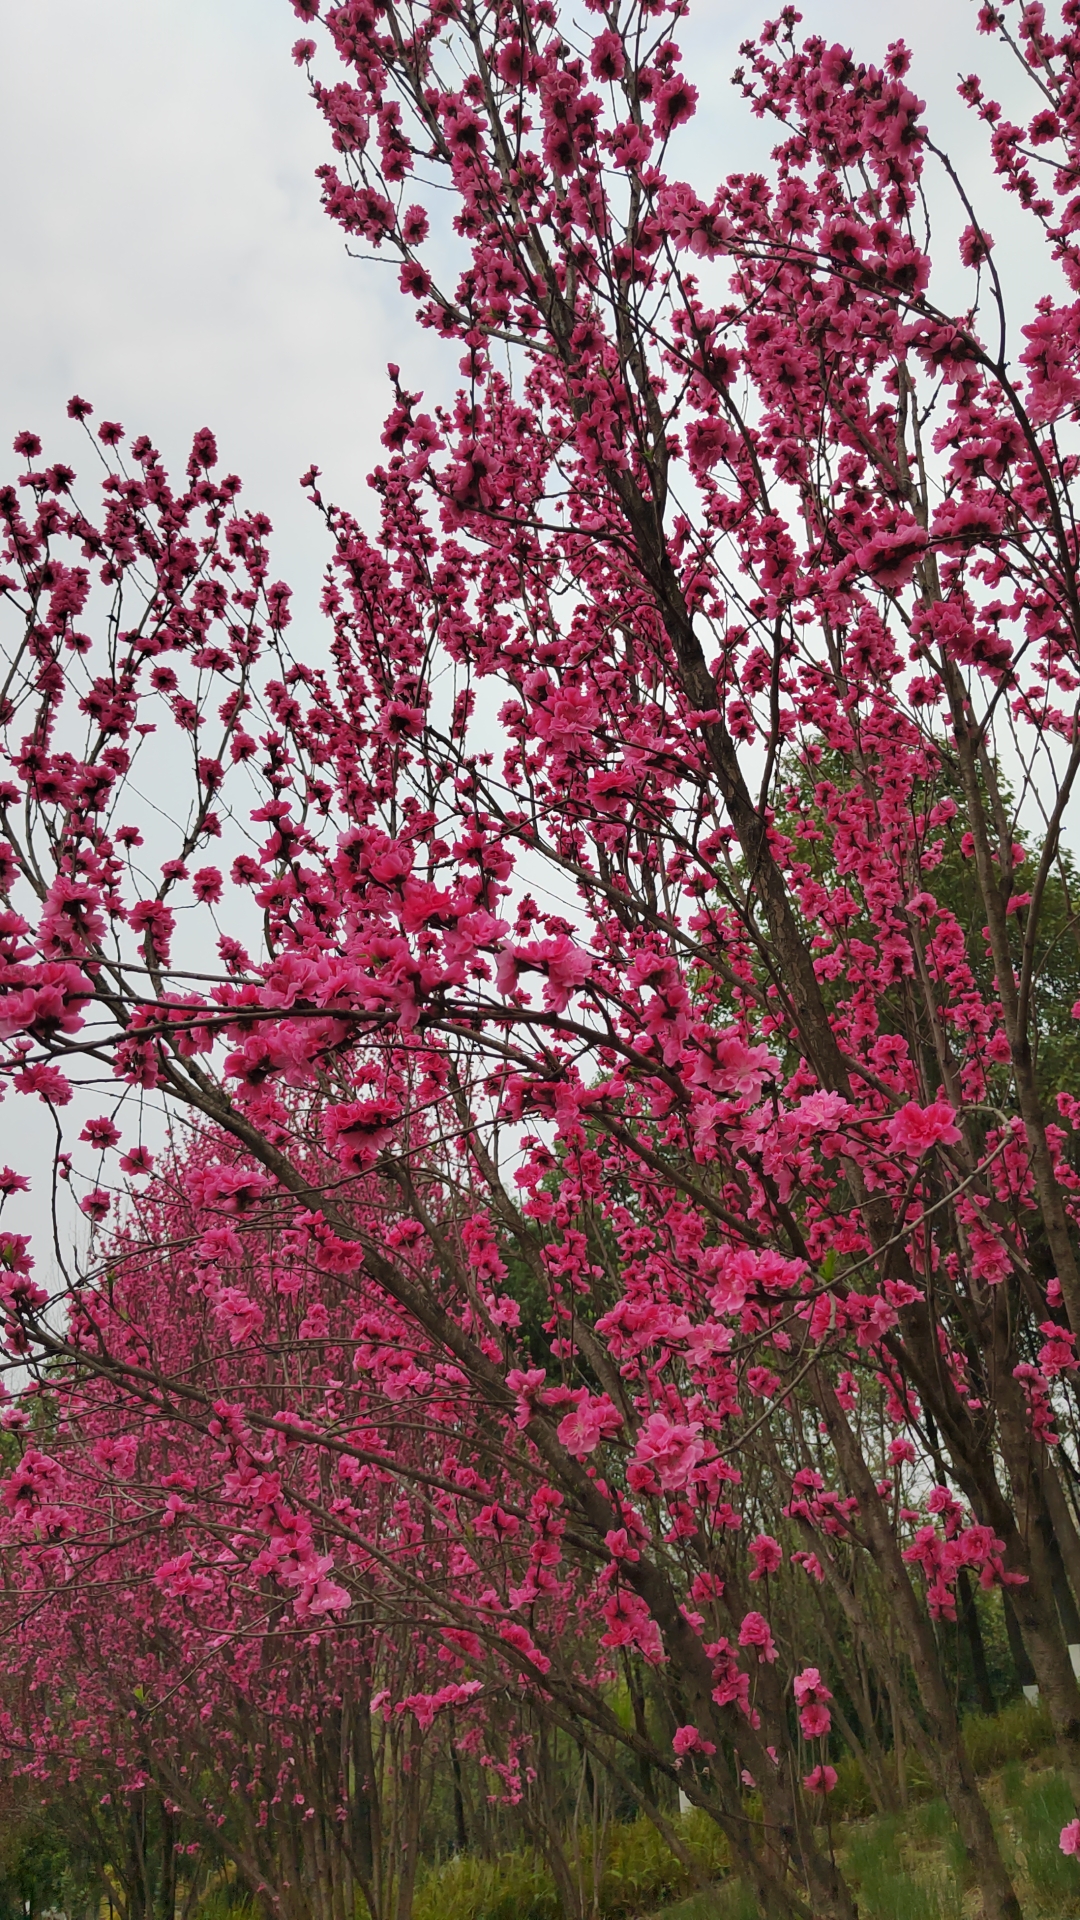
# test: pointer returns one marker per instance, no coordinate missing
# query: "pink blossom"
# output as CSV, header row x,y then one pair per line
x,y
157,922
72,920
518,1637
527,1387
137,1160
756,1632
808,1685
593,1419
822,1780
688,1740
891,557
424,1706
914,1130
243,1316
975,246
207,885
607,60
766,1554
821,1112
51,1001
629,1624
565,966
675,103
669,1450
358,1131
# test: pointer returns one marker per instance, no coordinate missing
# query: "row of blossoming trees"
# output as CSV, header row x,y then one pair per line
x,y
613,1238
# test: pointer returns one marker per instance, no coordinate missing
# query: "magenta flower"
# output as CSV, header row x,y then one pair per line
x,y
767,1556
821,1780
914,1130
756,1632
689,1740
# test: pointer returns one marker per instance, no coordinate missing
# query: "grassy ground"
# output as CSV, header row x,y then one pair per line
x,y
911,1866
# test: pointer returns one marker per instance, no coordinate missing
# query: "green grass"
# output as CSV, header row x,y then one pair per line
x,y
909,1866
733,1900
226,1903
1043,1806
878,1865
912,1866
516,1886
1018,1732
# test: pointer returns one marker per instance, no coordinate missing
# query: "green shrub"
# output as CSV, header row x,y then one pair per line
x,y
226,1901
851,1798
639,1871
933,1821
873,1849
919,1784
707,1843
1018,1732
735,1900
516,1886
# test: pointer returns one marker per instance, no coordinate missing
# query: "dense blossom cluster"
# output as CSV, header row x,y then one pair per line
x,y
631,1058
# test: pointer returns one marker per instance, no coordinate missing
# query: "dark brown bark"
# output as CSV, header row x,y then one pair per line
x,y
969,1620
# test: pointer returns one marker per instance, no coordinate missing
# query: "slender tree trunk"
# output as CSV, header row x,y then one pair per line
x,y
367,1823
969,1618
461,1836
1025,1672
409,1788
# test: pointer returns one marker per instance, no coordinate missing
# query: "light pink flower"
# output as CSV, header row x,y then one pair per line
x,y
808,1685
591,1421
671,1451
914,1130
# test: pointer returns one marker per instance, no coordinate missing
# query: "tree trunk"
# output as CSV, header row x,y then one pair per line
x,y
461,1836
409,1789
947,1754
969,1618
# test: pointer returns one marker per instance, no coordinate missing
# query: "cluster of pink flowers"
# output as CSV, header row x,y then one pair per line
x,y
604,1090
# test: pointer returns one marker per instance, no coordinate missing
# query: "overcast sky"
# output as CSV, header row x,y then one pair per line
x,y
165,254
